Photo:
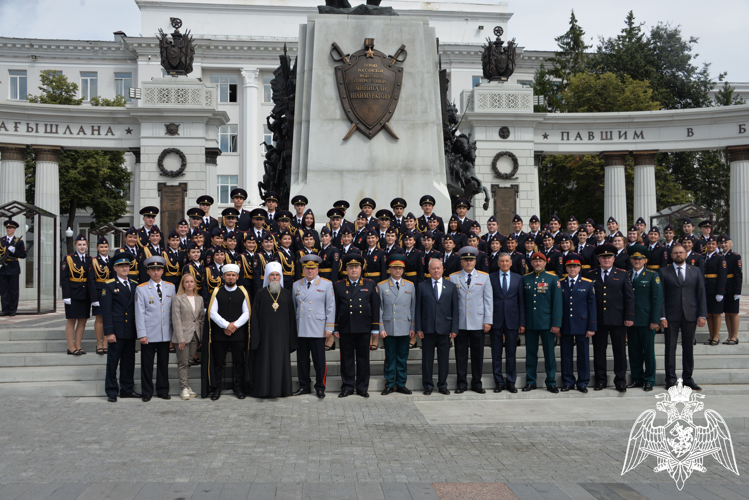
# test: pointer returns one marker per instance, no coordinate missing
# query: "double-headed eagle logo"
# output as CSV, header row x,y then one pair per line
x,y
680,446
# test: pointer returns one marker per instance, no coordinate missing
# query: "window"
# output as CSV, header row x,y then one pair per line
x,y
89,85
18,85
227,87
226,183
227,138
267,137
267,90
117,240
525,83
122,84
476,80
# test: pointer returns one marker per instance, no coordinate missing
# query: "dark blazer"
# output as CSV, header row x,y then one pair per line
x,y
735,275
244,221
509,308
357,306
615,298
686,302
451,264
579,307
118,309
11,267
716,274
433,316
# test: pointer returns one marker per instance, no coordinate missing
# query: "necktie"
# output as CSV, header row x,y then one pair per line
x,y
436,292
308,284
679,276
205,220
158,289
335,233
504,282
468,282
605,275
397,285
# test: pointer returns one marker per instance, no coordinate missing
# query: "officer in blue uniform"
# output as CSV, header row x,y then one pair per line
x,y
118,313
12,248
578,324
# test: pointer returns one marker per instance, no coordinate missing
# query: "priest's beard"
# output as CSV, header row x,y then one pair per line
x,y
274,287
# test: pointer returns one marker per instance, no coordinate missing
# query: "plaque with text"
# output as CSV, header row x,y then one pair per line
x,y
172,206
369,86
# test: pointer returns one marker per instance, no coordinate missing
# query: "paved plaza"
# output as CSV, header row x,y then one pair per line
x,y
379,448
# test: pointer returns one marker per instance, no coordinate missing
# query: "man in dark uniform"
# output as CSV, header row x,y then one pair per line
x,y
462,206
208,223
615,313
482,260
398,205
118,313
493,233
368,205
427,203
230,216
554,264
586,251
517,230
430,252
648,294
554,228
151,248
299,203
450,259
149,216
716,276
658,254
572,228
262,258
412,256
271,203
535,233
258,230
688,228
357,319
734,280
13,248
195,215
244,220
183,230
335,225
706,228
384,218
375,267
175,259
343,206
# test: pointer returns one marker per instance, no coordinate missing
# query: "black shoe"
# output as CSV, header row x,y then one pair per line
x,y
621,388
647,387
403,390
132,395
320,394
388,390
529,387
553,389
565,389
511,388
145,399
412,346
11,314
693,386
70,353
444,392
301,391
479,390
427,392
459,390
165,396
363,394
600,387
216,394
668,386
3,313
498,389
239,393
332,348
112,399
634,384
345,394
584,390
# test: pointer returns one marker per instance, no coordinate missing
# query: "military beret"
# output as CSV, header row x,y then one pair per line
x,y
367,202
468,252
640,220
249,236
361,215
565,237
554,218
534,218
600,228
10,223
122,258
132,230
638,252
688,220
474,235
572,219
173,234
308,234
398,203
102,241
409,215
214,250
299,200
230,235
271,196
345,230
573,259
668,227
591,222
454,217
618,233
155,262
633,229
711,238
408,234
724,238
547,234
239,192
310,261
606,250
493,219
427,199
391,230
510,237
149,211
335,212
516,218
372,232
196,213
429,234
259,213
654,229
396,260
325,230
217,231
538,256
384,214
182,222
434,218
205,200
462,202
342,204
353,259
475,224
268,236
192,245
448,237
611,219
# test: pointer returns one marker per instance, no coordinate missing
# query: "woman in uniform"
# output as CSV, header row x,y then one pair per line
x,y
78,293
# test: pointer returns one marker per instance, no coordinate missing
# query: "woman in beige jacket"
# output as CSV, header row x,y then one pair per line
x,y
188,314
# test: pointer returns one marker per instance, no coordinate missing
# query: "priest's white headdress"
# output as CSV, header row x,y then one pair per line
x,y
231,268
272,267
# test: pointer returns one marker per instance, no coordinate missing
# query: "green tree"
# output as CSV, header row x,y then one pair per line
x,y
96,181
592,93
570,59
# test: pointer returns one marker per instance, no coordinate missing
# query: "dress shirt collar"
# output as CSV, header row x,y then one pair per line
x,y
683,267
230,288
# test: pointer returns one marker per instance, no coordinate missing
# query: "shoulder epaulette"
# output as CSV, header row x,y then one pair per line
x,y
109,281
622,270
482,272
407,281
526,274
340,281
456,272
586,279
383,281
324,279
143,284
367,279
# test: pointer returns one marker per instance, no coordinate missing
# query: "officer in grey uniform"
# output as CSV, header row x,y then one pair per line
x,y
314,303
398,323
153,322
476,305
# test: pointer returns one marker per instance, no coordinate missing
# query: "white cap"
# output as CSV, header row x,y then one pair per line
x,y
231,268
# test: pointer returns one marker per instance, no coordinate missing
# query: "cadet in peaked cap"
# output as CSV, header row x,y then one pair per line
x,y
299,200
384,214
367,202
149,211
398,202
238,193
11,223
205,200
230,212
427,203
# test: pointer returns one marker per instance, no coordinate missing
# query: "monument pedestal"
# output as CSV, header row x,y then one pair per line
x,y
324,166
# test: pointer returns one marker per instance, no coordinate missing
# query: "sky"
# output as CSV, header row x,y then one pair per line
x,y
534,24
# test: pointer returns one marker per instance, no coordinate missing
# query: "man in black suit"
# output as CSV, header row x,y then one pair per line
x,y
615,311
244,219
509,320
684,309
437,322
118,314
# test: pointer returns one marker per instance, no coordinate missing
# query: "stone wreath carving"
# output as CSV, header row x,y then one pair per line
x,y
510,176
172,173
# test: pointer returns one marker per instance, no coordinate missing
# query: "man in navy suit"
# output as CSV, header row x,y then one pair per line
x,y
437,322
509,320
118,314
684,309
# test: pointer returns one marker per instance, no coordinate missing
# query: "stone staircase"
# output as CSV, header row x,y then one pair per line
x,y
33,362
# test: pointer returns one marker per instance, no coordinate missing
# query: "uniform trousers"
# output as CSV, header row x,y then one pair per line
x,y
428,344
237,349
147,352
531,356
184,357
396,360
510,343
568,344
9,292
120,353
475,340
641,348
687,329
315,347
618,336
354,352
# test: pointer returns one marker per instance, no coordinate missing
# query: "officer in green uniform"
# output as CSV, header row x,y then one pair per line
x,y
543,317
646,284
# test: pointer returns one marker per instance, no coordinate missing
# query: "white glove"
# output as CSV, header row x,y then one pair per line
x,y
12,249
95,304
736,297
719,298
67,301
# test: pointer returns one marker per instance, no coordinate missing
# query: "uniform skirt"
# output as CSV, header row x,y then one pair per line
x,y
96,310
715,307
730,306
78,309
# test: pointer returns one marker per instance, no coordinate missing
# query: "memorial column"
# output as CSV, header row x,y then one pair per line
x,y
47,187
739,199
12,175
615,188
211,172
250,142
644,202
135,185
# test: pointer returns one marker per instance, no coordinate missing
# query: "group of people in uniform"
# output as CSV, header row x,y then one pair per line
x,y
393,280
